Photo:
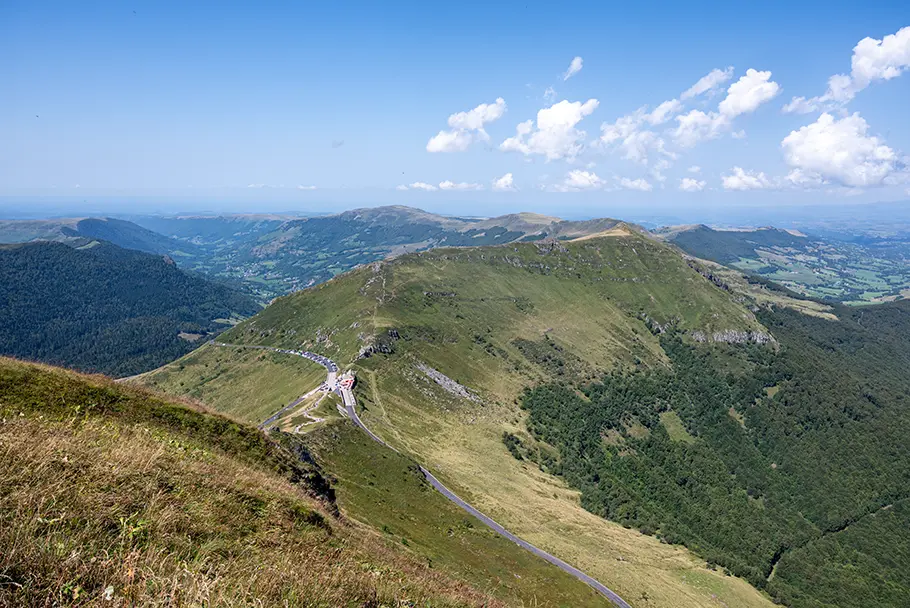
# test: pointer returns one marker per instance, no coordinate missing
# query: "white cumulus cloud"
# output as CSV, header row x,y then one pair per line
x,y
840,150
555,135
504,183
801,179
696,126
635,184
584,180
749,92
578,180
743,97
467,127
623,127
302,187
638,146
475,119
741,179
418,186
450,141
449,185
574,68
688,184
664,112
694,169
628,134
873,60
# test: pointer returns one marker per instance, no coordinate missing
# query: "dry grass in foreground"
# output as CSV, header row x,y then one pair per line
x,y
110,496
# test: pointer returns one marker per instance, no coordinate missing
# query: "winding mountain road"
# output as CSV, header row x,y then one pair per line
x,y
350,403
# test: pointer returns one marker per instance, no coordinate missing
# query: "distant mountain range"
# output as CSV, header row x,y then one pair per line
x,y
75,231
269,255
274,255
860,270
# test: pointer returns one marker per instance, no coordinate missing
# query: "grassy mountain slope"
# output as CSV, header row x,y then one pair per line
x,y
104,308
387,491
129,236
22,231
109,493
106,486
250,384
494,320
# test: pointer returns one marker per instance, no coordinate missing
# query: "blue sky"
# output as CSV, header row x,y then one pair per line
x,y
336,105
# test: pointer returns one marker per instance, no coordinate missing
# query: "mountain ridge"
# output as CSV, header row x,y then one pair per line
x,y
424,329
78,231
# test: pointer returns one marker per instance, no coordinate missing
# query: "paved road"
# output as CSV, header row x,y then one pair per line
x,y
290,406
350,403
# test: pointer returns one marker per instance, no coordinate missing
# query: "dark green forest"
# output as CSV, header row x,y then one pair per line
x,y
726,246
105,309
791,466
128,235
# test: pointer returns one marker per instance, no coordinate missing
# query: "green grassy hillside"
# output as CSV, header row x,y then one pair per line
x,y
113,496
444,342
249,384
106,309
388,492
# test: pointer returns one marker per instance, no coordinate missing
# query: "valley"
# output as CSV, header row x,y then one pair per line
x,y
841,268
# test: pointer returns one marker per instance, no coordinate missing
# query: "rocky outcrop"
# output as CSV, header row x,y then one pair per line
x,y
447,383
656,327
382,345
549,245
732,336
707,274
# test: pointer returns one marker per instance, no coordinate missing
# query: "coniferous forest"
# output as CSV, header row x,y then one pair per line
x,y
789,466
102,308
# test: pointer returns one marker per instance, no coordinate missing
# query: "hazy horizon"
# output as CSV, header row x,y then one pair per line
x,y
881,212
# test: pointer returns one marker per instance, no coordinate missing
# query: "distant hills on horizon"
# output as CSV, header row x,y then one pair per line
x,y
268,255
